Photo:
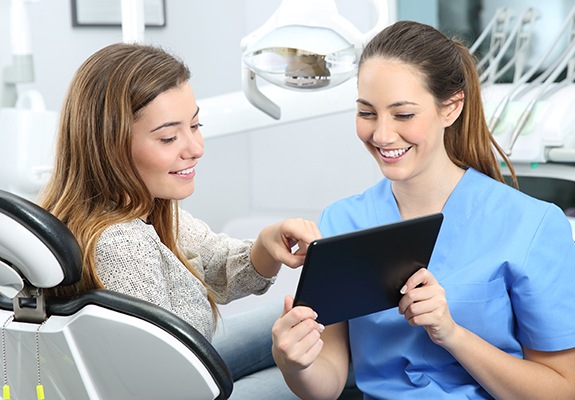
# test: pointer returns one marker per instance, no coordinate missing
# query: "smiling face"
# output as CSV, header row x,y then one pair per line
x,y
167,143
399,121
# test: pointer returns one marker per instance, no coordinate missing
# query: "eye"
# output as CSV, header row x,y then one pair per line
x,y
196,126
365,114
168,140
404,116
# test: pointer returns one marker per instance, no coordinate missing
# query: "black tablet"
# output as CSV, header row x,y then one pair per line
x,y
358,273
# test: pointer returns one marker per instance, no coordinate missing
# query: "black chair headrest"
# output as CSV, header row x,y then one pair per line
x,y
37,243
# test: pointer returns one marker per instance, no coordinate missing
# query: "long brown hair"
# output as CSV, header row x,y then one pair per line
x,y
448,68
95,183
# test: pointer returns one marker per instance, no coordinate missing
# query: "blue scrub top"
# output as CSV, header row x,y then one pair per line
x,y
507,264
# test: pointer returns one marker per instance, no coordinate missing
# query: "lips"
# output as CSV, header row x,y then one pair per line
x,y
394,153
186,171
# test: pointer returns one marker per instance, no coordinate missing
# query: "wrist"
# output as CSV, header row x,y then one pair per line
x,y
452,341
262,260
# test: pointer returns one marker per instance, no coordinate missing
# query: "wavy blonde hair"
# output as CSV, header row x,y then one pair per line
x,y
95,183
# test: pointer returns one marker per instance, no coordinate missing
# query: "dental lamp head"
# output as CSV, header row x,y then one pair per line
x,y
305,45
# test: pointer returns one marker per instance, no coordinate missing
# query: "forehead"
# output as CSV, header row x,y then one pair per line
x,y
390,78
175,101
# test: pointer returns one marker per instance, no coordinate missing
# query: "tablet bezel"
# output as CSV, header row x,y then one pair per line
x,y
361,272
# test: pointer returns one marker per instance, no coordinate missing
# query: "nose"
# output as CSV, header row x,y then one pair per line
x,y
193,145
383,133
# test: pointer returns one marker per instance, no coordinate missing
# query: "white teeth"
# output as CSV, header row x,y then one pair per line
x,y
185,171
393,153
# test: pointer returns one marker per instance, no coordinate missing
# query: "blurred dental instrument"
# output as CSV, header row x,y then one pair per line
x,y
566,62
543,89
497,31
519,86
521,34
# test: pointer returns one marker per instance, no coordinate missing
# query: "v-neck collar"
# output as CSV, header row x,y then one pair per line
x,y
465,197
388,211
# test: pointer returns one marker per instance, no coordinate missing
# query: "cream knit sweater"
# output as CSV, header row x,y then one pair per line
x,y
131,259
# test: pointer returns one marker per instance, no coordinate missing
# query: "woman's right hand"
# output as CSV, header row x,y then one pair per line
x,y
296,338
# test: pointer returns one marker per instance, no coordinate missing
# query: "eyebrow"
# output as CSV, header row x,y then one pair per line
x,y
392,105
173,123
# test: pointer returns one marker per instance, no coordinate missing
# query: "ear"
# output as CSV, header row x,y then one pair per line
x,y
452,108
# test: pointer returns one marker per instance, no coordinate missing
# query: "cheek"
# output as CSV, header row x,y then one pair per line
x,y
149,160
143,168
416,132
363,130
141,161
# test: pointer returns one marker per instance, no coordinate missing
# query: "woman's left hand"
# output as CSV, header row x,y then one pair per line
x,y
275,245
424,304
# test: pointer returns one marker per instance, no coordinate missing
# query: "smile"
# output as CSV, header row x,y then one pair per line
x,y
393,153
186,171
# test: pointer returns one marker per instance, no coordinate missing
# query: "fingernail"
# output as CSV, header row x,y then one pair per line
x,y
314,315
403,289
321,328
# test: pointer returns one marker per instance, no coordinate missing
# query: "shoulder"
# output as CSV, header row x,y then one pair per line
x,y
134,228
128,234
492,201
355,212
190,227
127,248
496,195
187,220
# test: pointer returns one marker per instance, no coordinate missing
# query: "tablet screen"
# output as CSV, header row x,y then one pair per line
x,y
358,273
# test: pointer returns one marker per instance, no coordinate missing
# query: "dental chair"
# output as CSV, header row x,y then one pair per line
x,y
97,345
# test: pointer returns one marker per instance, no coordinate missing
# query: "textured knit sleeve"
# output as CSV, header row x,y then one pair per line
x,y
224,262
127,261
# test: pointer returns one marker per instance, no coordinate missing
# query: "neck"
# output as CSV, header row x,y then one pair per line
x,y
428,193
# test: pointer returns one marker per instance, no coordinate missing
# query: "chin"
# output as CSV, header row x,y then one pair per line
x,y
176,195
394,174
182,196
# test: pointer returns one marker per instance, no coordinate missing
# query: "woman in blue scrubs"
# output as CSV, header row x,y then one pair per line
x,y
493,315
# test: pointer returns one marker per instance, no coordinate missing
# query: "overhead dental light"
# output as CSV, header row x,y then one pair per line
x,y
305,45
